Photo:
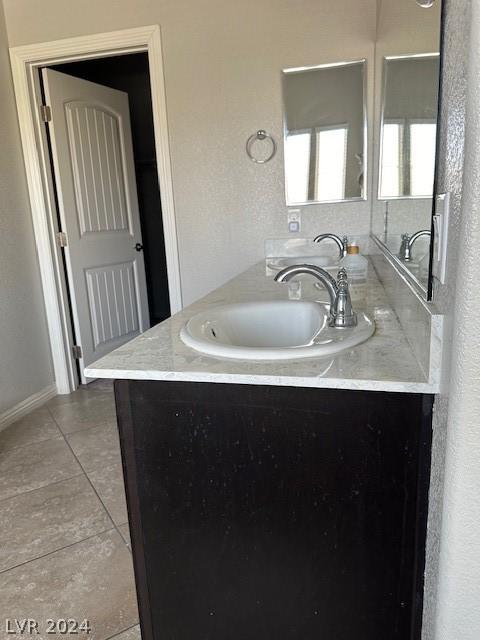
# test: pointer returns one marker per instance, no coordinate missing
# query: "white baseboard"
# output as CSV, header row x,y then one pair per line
x,y
26,406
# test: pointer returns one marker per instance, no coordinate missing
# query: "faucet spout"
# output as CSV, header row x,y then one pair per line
x,y
285,275
340,242
341,312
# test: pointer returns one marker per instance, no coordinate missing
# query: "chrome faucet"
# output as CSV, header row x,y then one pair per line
x,y
340,242
341,313
405,253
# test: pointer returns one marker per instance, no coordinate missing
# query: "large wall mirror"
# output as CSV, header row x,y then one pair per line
x,y
408,126
407,75
391,82
324,133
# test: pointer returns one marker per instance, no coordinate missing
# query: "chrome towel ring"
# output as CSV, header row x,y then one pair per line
x,y
260,135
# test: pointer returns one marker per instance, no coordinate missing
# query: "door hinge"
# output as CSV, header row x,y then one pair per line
x,y
77,351
61,239
45,113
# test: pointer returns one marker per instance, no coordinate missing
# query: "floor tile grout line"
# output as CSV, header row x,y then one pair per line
x,y
61,435
81,407
60,431
118,529
117,526
43,486
67,546
88,479
103,423
106,423
123,631
29,444
82,472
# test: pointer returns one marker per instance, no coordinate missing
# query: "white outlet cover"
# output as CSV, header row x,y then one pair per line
x,y
440,236
294,220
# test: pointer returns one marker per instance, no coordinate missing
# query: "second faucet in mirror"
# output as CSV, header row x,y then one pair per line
x,y
405,253
342,243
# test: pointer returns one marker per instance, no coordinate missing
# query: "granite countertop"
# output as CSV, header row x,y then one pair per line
x,y
385,362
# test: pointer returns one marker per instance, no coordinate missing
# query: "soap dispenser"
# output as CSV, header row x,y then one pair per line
x,y
356,267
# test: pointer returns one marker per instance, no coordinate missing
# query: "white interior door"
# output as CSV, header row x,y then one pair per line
x,y
95,178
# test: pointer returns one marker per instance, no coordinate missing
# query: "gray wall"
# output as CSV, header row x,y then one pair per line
x,y
223,62
25,363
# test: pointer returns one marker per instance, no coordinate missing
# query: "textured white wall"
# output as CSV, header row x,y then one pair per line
x,y
452,136
453,547
458,588
25,363
222,66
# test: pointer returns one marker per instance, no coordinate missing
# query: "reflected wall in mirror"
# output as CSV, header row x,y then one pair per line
x,y
325,133
408,126
407,70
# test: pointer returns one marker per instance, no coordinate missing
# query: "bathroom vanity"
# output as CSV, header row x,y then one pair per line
x,y
272,494
279,499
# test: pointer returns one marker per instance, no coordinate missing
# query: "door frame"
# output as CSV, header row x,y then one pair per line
x,y
25,61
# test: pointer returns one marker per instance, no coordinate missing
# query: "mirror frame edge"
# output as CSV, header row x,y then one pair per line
x,y
438,145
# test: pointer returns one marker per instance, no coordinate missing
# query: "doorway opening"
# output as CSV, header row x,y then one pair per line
x,y
130,73
122,73
101,143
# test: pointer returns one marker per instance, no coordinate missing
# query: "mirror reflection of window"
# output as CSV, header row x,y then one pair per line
x,y
392,169
331,164
297,163
422,157
408,136
324,133
409,172
316,164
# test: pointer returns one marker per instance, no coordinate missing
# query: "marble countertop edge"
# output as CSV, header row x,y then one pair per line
x,y
397,386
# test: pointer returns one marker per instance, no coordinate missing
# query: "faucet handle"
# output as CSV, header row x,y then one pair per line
x,y
404,251
343,314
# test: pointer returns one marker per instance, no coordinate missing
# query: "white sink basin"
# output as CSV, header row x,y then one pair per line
x,y
326,262
275,330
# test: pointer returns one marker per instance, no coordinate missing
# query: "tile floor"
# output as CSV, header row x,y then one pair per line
x,y
64,541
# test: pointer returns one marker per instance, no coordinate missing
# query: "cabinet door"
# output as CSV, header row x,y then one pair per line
x,y
276,513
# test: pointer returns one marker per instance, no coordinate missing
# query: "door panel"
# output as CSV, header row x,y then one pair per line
x,y
95,177
94,145
111,298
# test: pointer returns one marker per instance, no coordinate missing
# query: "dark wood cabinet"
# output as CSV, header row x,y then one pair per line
x,y
276,513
